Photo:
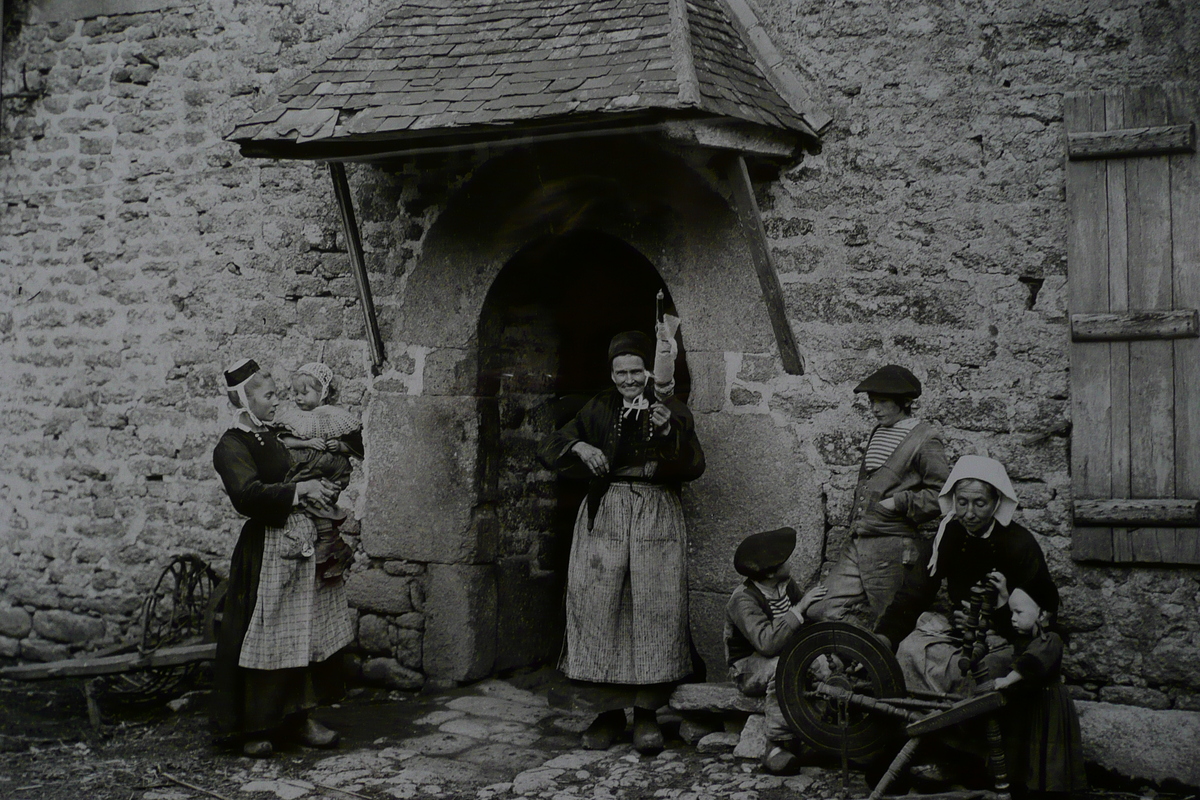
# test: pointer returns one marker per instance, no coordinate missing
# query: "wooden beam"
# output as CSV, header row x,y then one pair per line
x,y
1176,324
341,190
1137,512
1159,140
760,254
741,138
111,665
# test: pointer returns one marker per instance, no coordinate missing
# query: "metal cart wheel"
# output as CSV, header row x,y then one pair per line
x,y
178,611
846,657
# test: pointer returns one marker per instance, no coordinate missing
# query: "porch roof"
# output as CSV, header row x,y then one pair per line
x,y
447,73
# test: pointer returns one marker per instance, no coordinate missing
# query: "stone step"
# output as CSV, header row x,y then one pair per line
x,y
716,698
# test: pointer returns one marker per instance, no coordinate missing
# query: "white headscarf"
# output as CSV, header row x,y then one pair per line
x,y
978,468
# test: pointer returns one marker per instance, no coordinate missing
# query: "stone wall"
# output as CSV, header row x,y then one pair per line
x,y
141,253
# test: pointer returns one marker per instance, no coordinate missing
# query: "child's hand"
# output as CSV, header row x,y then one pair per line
x,y
336,446
1005,681
316,444
811,596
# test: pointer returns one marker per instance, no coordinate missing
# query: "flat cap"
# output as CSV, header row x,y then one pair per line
x,y
631,343
762,552
892,379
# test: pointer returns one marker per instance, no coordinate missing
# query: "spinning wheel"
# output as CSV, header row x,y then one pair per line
x,y
846,658
182,609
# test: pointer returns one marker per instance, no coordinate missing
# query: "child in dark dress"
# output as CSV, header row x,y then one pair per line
x,y
1042,740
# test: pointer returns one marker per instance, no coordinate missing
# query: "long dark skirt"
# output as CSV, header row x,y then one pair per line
x,y
250,703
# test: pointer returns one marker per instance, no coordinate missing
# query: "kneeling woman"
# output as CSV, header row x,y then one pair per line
x,y
627,618
281,625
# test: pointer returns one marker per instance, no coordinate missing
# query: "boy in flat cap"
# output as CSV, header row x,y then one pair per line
x,y
761,617
902,471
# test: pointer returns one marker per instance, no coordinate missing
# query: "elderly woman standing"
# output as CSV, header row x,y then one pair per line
x,y
977,543
626,601
281,625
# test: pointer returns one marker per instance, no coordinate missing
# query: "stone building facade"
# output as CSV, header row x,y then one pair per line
x,y
141,252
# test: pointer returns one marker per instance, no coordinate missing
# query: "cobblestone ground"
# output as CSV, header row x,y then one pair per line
x,y
491,740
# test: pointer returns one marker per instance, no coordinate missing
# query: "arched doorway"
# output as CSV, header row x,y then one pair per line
x,y
543,336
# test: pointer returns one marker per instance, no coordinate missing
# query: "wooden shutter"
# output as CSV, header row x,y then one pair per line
x,y
1133,263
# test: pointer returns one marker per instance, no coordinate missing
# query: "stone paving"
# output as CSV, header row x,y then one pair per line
x,y
497,740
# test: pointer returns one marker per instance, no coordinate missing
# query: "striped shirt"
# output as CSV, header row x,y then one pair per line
x,y
777,598
885,441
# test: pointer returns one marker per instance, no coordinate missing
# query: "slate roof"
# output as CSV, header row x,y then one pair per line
x,y
446,67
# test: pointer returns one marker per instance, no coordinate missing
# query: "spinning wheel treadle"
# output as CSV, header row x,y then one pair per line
x,y
845,657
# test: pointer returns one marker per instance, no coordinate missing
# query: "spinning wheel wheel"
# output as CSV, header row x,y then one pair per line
x,y
180,610
844,657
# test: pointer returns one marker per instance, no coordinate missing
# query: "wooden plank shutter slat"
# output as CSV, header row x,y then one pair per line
x,y
1158,140
1087,246
1118,297
1128,325
1185,242
1138,512
1152,393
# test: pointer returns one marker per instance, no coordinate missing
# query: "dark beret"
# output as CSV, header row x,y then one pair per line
x,y
893,380
631,343
760,553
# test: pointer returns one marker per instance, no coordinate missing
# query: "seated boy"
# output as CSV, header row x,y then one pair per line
x,y
760,619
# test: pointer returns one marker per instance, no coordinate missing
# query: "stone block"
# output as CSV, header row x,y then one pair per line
x,y
408,647
717,698
753,739
38,650
373,634
375,590
528,628
15,622
719,742
757,479
707,370
460,622
391,674
422,488
1135,696
706,611
693,728
1142,744
66,627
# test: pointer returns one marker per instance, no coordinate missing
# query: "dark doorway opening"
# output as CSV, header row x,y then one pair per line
x,y
543,344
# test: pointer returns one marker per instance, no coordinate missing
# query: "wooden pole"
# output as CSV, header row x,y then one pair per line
x,y
341,190
760,253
